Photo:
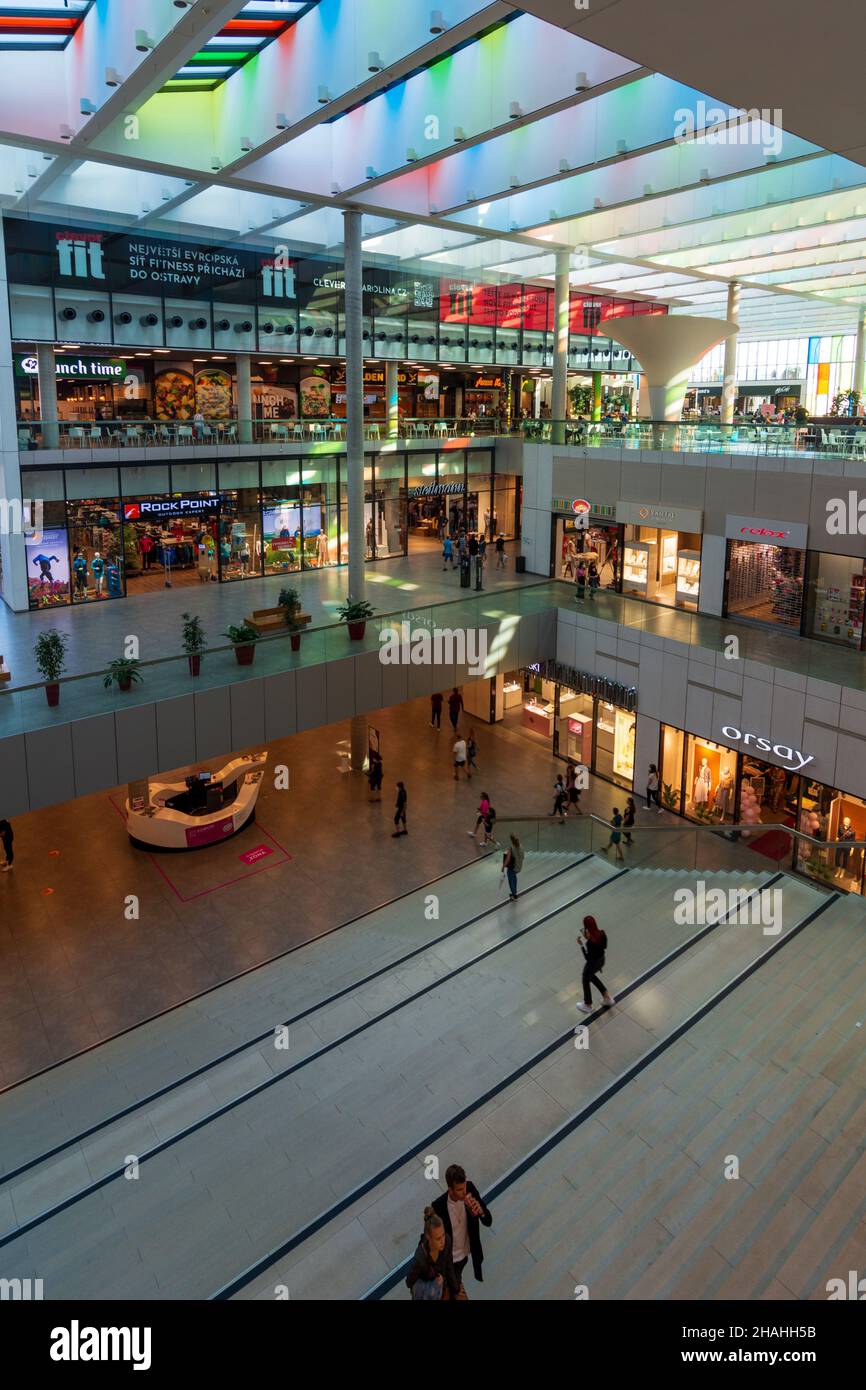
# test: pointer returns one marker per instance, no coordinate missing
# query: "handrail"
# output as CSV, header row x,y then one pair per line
x,y
745,827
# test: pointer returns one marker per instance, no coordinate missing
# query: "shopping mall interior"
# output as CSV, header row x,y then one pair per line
x,y
432,655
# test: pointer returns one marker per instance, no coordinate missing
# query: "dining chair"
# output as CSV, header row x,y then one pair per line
x,y
184,434
76,435
297,430
96,435
372,431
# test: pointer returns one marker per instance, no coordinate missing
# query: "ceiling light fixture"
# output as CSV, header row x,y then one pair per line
x,y
515,111
581,82
112,77
374,61
281,120
143,41
437,22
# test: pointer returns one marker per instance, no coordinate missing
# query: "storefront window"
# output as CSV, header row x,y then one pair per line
x,y
319,518
826,814
671,768
428,508
614,744
281,515
711,780
835,599
387,505
663,566
47,558
576,723
240,534
765,583
481,492
95,534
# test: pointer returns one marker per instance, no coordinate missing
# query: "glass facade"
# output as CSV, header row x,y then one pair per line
x,y
108,532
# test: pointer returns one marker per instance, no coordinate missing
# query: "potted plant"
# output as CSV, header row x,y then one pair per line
x,y
243,638
356,615
123,672
290,602
194,641
50,654
670,797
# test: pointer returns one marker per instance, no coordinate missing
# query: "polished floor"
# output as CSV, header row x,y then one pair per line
x,y
75,970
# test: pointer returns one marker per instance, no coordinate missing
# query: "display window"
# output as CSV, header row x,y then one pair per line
x,y
597,543
662,566
240,534
765,583
710,781
95,540
826,814
614,744
673,743
835,593
576,724
320,515
387,504
281,530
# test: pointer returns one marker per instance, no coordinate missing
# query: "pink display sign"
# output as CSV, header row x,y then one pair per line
x,y
252,856
197,835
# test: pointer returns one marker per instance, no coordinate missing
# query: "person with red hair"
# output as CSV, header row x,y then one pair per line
x,y
593,943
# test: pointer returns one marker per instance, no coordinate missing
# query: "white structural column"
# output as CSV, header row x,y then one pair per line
x,y
245,398
47,370
354,404
392,400
729,388
13,577
559,398
860,353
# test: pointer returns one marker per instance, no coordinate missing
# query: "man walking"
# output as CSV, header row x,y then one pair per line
x,y
459,752
436,710
455,705
400,812
500,552
6,838
463,1214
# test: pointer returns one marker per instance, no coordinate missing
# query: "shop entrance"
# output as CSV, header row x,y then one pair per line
x,y
171,542
765,583
662,566
597,543
581,728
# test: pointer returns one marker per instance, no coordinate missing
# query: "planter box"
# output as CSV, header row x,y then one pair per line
x,y
194,664
52,693
357,630
244,653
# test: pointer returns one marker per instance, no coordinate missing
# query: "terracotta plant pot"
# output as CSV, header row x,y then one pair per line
x,y
124,683
194,664
357,630
52,693
244,653
295,639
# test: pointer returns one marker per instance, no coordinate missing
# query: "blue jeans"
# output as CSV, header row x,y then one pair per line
x,y
512,881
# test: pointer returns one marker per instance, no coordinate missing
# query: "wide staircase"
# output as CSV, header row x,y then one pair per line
x,y
275,1135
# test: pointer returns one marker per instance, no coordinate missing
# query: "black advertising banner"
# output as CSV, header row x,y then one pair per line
x,y
386,293
146,263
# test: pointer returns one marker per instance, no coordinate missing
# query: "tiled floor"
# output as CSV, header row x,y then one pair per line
x,y
75,970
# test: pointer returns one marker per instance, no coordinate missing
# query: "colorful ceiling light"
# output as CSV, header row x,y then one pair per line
x,y
40,24
258,23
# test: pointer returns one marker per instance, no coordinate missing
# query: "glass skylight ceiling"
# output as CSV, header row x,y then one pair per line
x,y
257,24
45,24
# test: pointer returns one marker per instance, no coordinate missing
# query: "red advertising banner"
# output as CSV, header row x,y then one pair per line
x,y
531,307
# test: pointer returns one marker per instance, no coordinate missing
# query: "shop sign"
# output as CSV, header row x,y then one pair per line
x,y
486,383
762,529
154,508
587,683
435,489
792,756
579,506
75,368
657,514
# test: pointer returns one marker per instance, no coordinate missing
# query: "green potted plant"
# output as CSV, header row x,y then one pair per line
x,y
356,615
670,797
50,654
194,641
123,672
243,638
290,602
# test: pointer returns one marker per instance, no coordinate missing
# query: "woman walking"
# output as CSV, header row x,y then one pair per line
x,y
594,579
471,750
571,786
628,819
615,836
652,788
560,800
593,944
512,863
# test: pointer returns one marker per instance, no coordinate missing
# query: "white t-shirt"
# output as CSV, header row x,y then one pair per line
x,y
459,1230
460,751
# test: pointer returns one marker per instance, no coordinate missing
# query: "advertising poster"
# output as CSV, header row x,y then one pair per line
x,y
48,568
213,393
315,398
174,395
430,383
274,402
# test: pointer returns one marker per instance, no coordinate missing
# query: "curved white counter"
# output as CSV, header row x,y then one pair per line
x,y
159,826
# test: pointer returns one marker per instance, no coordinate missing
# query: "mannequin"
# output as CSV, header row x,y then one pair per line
x,y
79,569
97,566
703,783
322,557
724,792
846,831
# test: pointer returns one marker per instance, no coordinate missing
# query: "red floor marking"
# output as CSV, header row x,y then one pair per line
x,y
241,878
